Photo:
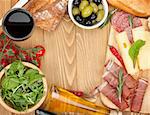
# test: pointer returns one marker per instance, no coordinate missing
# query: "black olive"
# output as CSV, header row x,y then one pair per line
x,y
97,1
88,23
93,16
76,2
79,19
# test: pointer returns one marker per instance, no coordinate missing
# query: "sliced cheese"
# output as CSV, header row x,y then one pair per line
x,y
138,33
144,53
124,46
144,57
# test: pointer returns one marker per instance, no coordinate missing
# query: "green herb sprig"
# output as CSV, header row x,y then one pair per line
x,y
130,19
134,50
120,85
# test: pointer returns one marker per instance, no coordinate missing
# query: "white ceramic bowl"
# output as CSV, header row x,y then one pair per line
x,y
105,6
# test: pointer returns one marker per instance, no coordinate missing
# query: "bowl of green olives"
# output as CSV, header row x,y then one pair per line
x,y
88,14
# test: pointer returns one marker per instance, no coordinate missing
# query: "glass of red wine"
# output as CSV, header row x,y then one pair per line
x,y
18,24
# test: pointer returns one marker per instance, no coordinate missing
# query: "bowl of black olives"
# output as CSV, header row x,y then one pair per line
x,y
88,14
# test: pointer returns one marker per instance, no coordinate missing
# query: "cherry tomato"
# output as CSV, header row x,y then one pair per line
x,y
36,61
3,39
10,51
38,51
4,62
24,55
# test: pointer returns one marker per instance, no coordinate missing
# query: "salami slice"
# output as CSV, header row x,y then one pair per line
x,y
120,22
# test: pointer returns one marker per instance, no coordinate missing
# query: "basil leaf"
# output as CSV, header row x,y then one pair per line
x,y
134,50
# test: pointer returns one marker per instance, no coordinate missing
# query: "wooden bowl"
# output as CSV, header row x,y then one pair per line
x,y
7,107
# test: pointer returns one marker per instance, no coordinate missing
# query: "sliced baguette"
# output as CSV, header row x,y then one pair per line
x,y
140,6
118,4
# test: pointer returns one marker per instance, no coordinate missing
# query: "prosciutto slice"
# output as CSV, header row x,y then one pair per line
x,y
111,94
130,81
114,68
113,81
136,102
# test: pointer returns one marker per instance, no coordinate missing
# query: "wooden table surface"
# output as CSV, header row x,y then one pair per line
x,y
74,57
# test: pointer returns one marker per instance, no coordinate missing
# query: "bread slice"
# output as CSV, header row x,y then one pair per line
x,y
126,8
33,5
49,16
141,6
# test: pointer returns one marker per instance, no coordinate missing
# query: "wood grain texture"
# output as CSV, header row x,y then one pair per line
x,y
74,57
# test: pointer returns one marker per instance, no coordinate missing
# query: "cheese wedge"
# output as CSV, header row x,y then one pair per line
x,y
124,46
144,53
139,33
143,58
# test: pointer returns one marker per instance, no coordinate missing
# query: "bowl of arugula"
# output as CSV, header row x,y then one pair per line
x,y
23,87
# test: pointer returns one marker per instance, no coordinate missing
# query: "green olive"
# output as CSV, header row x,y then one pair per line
x,y
100,15
83,4
100,6
75,11
93,21
95,7
87,11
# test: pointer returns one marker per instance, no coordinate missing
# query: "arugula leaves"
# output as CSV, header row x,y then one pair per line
x,y
21,87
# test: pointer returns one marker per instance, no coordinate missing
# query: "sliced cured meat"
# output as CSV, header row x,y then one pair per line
x,y
130,81
114,68
111,94
136,22
120,21
113,81
136,102
126,92
129,34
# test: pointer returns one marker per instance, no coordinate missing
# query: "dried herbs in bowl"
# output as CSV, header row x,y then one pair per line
x,y
22,87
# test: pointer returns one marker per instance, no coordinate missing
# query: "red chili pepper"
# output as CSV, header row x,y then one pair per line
x,y
115,52
77,93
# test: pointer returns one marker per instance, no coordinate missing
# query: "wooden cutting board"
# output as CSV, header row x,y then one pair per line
x,y
146,102
74,56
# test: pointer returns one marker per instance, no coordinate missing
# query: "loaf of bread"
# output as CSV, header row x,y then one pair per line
x,y
136,7
33,5
49,16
